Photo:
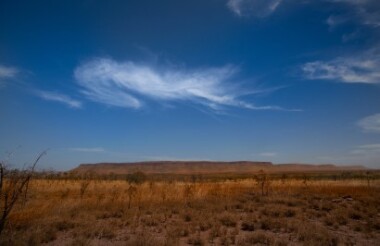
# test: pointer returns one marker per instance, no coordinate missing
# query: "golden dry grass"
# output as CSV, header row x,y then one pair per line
x,y
82,212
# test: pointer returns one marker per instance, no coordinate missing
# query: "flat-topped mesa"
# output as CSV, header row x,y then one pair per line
x,y
177,167
300,167
206,167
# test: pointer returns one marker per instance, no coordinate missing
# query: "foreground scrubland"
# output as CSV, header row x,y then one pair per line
x,y
227,212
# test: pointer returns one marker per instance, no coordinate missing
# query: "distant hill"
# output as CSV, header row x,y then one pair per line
x,y
204,167
300,167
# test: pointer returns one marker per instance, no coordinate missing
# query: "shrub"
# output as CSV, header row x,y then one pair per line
x,y
228,220
64,225
136,177
290,213
83,187
16,187
195,240
247,226
256,238
187,217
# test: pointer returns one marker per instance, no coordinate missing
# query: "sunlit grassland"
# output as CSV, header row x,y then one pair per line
x,y
227,212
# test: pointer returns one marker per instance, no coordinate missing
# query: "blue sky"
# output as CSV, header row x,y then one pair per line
x,y
275,80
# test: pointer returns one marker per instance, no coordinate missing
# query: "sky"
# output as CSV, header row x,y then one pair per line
x,y
287,81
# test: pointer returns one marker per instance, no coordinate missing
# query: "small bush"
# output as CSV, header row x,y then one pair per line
x,y
329,221
136,178
195,240
265,225
315,235
48,235
290,213
107,233
256,238
187,217
227,220
355,215
64,225
248,226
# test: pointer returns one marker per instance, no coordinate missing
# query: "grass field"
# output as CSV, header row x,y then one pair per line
x,y
248,211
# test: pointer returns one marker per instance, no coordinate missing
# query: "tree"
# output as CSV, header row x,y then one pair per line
x,y
13,184
263,181
132,190
368,177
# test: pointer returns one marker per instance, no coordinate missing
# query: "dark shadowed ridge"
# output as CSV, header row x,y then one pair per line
x,y
189,167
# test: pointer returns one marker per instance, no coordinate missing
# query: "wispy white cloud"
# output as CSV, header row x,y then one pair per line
x,y
255,8
128,84
370,146
351,36
173,158
97,149
360,68
7,73
335,20
368,149
370,123
268,154
365,154
57,97
366,12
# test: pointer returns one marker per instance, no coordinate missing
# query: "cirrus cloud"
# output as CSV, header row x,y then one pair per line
x,y
370,123
256,8
365,12
129,84
361,68
268,154
367,149
96,149
7,73
57,97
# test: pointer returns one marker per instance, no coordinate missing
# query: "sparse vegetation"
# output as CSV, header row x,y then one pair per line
x,y
91,210
136,178
14,185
